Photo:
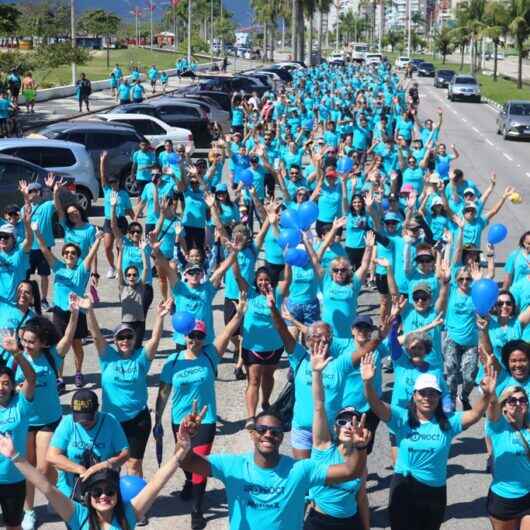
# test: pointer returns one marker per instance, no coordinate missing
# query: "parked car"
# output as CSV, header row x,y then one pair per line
x,y
337,58
69,159
415,63
290,65
214,112
513,120
464,87
373,58
402,62
426,70
229,85
222,99
283,73
442,78
119,140
155,130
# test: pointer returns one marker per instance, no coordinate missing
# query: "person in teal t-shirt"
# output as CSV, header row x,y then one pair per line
x,y
124,92
137,92
190,376
518,262
142,161
424,434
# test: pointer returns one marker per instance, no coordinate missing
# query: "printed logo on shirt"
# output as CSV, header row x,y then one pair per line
x,y
258,488
419,437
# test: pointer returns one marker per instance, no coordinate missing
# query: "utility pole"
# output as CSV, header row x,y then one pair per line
x,y
189,32
152,7
72,31
409,26
211,26
174,3
337,7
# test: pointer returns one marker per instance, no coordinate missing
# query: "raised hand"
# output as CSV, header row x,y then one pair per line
x,y
193,420
9,341
368,367
23,187
84,303
482,323
489,382
361,435
113,198
319,356
369,238
209,199
73,300
242,303
271,300
339,222
164,307
7,447
476,273
49,180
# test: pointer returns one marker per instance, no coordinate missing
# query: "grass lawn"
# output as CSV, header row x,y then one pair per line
x,y
500,91
96,69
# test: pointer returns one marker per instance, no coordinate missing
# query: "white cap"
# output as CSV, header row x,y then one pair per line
x,y
469,190
436,202
427,381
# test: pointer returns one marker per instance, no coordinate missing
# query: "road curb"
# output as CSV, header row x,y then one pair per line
x,y
493,103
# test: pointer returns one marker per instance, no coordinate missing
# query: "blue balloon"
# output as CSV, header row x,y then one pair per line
x,y
289,237
130,486
296,257
183,322
174,158
246,177
442,168
484,294
344,165
289,219
307,214
497,233
385,203
308,124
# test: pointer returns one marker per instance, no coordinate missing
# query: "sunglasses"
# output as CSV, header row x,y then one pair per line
x,y
132,275
71,212
428,392
343,422
338,270
4,237
422,297
465,279
507,303
391,222
108,491
132,232
517,401
469,210
194,272
125,337
414,228
69,253
196,335
277,432
425,259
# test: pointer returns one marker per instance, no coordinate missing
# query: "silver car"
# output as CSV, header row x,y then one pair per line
x,y
464,87
513,120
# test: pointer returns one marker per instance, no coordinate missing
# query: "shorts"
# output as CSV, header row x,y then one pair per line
x,y
48,427
30,94
229,310
305,313
141,184
195,237
205,434
507,509
14,90
37,262
355,255
275,272
137,431
60,321
122,225
124,101
301,439
12,497
381,282
263,358
322,521
372,422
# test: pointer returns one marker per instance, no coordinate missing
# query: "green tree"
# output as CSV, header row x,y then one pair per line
x,y
44,20
461,39
520,31
392,38
50,57
443,42
101,23
497,20
9,17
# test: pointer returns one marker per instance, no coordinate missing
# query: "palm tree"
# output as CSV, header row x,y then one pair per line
x,y
461,39
520,31
443,42
497,20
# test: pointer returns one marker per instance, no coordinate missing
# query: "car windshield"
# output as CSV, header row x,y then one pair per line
x,y
427,65
520,109
445,73
465,81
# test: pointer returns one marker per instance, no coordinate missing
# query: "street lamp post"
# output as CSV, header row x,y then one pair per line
x,y
72,30
409,26
189,32
152,7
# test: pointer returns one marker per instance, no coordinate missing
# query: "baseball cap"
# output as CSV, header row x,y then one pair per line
x,y
470,204
12,209
425,252
192,267
407,188
363,320
427,381
85,405
221,188
469,190
34,186
123,327
8,228
436,202
348,411
392,216
423,287
106,475
200,326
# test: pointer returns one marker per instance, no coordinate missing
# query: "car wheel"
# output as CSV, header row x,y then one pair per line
x,y
131,186
505,134
83,198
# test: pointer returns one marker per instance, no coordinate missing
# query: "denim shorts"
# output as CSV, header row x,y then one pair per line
x,y
305,313
301,439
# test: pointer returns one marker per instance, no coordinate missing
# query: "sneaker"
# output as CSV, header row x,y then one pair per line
x,y
239,374
30,520
186,492
61,386
466,405
197,521
45,305
111,273
144,521
79,380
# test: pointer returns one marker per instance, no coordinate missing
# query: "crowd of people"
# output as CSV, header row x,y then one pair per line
x,y
330,186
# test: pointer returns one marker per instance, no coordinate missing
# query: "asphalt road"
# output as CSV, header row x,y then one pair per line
x,y
471,127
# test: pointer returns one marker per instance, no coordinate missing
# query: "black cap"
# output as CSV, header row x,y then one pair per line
x,y
363,320
85,405
109,476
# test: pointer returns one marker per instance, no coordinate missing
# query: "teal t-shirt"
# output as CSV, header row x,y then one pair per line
x,y
271,498
518,265
247,264
333,378
14,420
79,519
123,205
83,236
273,251
124,92
192,379
124,382
105,439
338,500
164,189
423,451
194,209
473,231
339,308
304,285
460,318
521,293
144,160
67,281
511,465
42,214
132,257
13,269
330,202
356,227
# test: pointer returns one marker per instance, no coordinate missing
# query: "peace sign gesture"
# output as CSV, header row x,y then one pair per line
x,y
361,435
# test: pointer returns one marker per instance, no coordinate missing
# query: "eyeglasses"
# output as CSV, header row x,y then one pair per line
x,y
425,259
507,303
194,272
464,279
428,392
125,337
469,210
338,270
131,275
132,232
261,429
517,401
69,253
422,297
108,491
196,335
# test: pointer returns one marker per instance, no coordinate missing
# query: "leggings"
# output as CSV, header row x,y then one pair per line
x,y
321,521
414,505
201,445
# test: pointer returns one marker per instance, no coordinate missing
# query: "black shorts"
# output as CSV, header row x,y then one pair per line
x,y
229,310
275,272
194,237
355,255
381,282
238,129
264,358
60,321
12,498
205,434
137,431
507,509
141,184
122,225
48,427
372,422
37,262
321,521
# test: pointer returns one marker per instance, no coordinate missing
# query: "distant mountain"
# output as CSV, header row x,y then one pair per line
x,y
240,8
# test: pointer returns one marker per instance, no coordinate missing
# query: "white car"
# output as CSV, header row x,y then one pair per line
x,y
402,62
58,156
155,130
337,58
373,58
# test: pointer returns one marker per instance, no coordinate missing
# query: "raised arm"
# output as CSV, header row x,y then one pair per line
x,y
330,236
66,342
93,326
26,219
151,346
46,252
288,340
10,344
381,409
500,203
315,262
319,360
222,340
367,256
219,273
103,169
93,252
59,208
487,386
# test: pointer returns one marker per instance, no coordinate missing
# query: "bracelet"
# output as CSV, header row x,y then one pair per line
x,y
15,457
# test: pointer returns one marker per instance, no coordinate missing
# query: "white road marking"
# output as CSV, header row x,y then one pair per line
x,y
488,106
464,120
476,130
489,142
528,175
508,157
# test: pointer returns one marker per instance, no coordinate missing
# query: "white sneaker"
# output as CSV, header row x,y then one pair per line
x,y
30,520
111,273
